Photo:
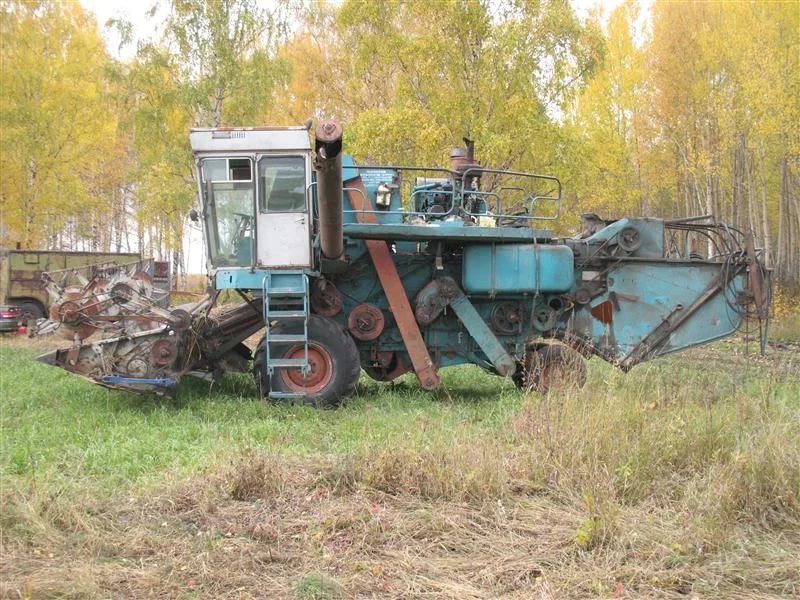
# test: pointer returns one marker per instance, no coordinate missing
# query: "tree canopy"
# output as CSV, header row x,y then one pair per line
x,y
695,112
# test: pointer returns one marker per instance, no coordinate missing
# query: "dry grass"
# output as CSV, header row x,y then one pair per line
x,y
672,482
286,529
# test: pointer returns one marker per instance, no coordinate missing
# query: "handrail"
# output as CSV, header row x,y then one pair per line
x,y
477,171
494,202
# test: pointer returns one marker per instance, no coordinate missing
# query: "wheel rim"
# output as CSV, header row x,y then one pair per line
x,y
320,369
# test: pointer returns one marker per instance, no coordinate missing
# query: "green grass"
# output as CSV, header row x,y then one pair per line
x,y
53,421
681,477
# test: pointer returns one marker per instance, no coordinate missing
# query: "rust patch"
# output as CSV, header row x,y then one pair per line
x,y
604,312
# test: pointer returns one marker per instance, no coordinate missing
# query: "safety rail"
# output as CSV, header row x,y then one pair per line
x,y
492,203
527,205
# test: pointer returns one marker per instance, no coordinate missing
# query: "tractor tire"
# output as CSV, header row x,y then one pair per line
x,y
260,368
31,311
334,358
551,367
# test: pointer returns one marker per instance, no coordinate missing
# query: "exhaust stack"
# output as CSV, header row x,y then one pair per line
x,y
328,164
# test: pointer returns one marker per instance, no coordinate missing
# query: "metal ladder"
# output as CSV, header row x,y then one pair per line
x,y
291,286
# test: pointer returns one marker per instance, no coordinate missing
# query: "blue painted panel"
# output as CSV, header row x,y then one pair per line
x,y
517,268
349,169
447,231
244,279
642,295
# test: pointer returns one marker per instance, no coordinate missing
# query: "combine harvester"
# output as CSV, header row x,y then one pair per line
x,y
397,269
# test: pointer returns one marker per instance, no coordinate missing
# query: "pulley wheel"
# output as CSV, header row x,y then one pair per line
x,y
136,367
507,318
629,239
544,318
69,313
365,322
163,353
326,301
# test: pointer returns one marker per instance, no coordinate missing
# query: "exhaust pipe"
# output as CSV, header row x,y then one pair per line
x,y
328,164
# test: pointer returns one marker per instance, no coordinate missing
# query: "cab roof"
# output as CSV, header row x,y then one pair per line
x,y
249,139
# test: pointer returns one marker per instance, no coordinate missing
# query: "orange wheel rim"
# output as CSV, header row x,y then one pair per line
x,y
319,374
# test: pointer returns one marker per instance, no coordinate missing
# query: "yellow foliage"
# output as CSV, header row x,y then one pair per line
x,y
784,303
699,114
56,129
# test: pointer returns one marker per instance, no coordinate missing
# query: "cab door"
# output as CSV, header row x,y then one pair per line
x,y
284,220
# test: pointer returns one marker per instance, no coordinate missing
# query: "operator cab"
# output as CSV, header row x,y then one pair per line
x,y
253,185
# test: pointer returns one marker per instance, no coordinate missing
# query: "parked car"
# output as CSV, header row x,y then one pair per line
x,y
10,319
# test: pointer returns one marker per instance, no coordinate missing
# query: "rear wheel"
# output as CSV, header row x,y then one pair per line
x,y
333,360
31,311
551,367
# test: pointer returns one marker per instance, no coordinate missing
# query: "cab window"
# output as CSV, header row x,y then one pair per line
x,y
282,184
228,191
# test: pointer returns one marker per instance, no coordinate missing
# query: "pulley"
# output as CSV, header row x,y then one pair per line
x,y
365,322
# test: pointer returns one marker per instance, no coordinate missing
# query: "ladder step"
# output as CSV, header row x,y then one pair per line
x,y
281,395
287,337
286,314
287,363
285,291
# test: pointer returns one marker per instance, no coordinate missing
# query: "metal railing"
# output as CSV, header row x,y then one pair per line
x,y
495,203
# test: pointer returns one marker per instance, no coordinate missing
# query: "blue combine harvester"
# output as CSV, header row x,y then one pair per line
x,y
397,269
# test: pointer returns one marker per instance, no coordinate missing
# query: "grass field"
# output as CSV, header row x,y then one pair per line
x,y
680,479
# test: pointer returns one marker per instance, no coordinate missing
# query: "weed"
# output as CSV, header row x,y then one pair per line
x,y
254,476
317,586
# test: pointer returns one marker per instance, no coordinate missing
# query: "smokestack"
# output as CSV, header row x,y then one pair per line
x,y
328,164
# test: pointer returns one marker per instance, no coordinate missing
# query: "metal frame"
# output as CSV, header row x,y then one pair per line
x,y
464,192
204,200
532,217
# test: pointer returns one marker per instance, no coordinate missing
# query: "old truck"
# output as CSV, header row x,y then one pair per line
x,y
22,271
390,270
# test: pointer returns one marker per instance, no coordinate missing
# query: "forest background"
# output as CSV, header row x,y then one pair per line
x,y
690,108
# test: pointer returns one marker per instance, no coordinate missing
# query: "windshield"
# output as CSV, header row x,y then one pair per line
x,y
229,210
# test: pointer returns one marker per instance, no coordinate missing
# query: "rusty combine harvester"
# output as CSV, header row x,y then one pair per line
x,y
396,269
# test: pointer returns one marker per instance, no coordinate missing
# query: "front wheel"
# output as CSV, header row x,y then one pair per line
x,y
333,360
551,367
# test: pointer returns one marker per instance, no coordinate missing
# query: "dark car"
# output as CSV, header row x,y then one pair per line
x,y
10,319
